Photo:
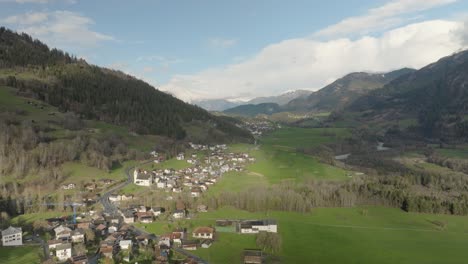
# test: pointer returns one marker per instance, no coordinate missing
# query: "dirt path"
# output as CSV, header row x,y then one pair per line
x,y
256,174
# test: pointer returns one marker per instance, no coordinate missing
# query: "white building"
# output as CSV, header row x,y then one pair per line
x,y
255,226
78,236
63,251
62,232
178,214
125,244
12,236
181,156
203,232
142,178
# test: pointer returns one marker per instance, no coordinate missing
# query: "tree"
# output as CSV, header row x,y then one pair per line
x,y
39,225
270,242
90,236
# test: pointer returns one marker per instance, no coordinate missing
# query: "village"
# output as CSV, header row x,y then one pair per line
x,y
116,234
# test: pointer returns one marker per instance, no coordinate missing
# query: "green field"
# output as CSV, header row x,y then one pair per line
x,y
78,172
24,254
292,137
277,164
169,164
344,235
237,181
453,153
30,218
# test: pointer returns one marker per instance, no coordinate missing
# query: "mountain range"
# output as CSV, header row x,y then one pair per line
x,y
223,104
335,96
344,91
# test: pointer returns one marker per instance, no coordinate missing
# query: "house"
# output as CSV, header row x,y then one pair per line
x,y
81,259
189,244
178,214
128,217
112,229
115,197
12,236
255,226
177,238
63,251
125,244
78,236
206,243
195,192
126,197
83,225
161,184
114,219
181,156
253,256
62,232
156,211
142,239
69,186
101,229
141,209
203,232
145,217
142,178
107,252
54,243
90,186
165,240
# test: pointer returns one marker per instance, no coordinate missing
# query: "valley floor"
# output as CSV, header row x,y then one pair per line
x,y
343,235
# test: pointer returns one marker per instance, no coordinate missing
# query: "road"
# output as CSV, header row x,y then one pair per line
x,y
110,208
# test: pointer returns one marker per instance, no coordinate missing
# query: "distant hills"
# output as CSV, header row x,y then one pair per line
x,y
216,104
223,104
335,96
344,91
252,110
281,99
92,92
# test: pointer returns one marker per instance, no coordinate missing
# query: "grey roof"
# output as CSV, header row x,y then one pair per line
x,y
63,246
142,176
11,231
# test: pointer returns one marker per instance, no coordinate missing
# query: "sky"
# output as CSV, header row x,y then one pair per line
x,y
238,50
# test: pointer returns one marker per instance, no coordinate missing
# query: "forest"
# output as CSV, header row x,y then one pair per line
x,y
99,93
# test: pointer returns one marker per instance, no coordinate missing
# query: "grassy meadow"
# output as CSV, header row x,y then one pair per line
x,y
342,235
24,254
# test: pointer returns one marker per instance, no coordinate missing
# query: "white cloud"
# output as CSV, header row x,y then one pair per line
x,y
389,15
27,19
148,69
160,60
62,29
221,43
304,63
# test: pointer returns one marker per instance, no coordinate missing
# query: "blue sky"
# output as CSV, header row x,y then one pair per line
x,y
242,49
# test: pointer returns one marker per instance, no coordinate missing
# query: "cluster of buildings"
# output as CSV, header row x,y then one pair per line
x,y
200,237
196,179
259,127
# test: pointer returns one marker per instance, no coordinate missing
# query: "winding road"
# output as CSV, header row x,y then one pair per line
x,y
111,209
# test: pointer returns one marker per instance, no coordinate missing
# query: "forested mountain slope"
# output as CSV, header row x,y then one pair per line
x,y
436,95
98,93
344,91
